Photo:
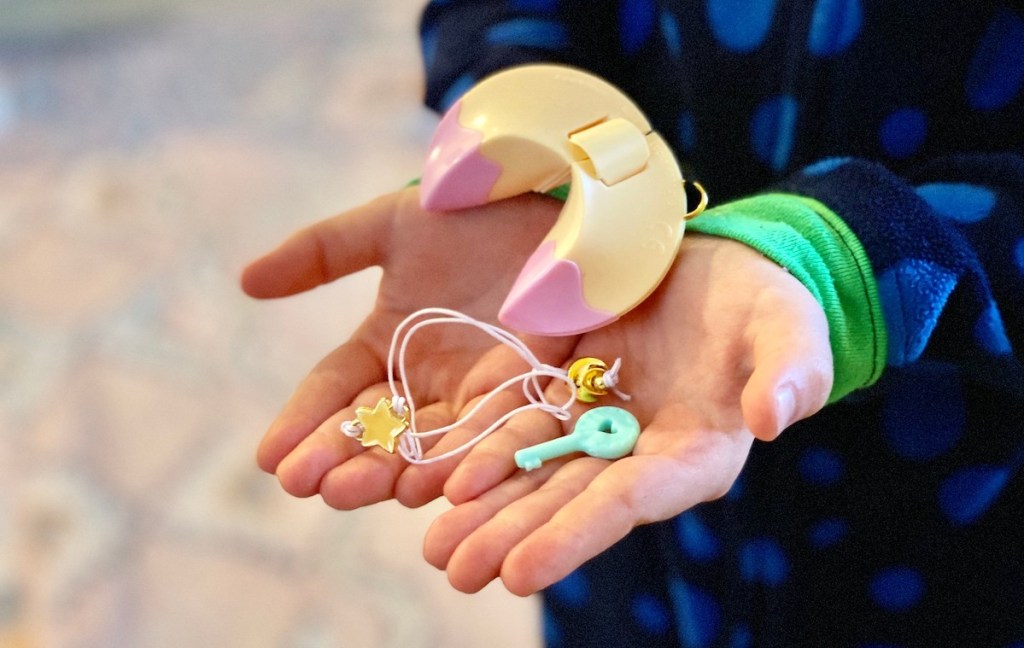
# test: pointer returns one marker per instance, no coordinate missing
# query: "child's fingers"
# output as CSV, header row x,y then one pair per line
x,y
792,362
452,527
493,459
484,537
323,252
303,468
631,491
329,388
432,477
372,476
584,525
361,481
533,529
490,461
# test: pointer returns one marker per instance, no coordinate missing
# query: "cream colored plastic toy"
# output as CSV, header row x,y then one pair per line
x,y
532,129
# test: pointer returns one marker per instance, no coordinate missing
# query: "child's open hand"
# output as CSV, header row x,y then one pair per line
x,y
729,348
467,262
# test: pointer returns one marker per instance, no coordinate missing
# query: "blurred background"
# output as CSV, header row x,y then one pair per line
x,y
148,148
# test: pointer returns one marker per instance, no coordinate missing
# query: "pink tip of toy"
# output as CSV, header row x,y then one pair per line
x,y
456,174
547,298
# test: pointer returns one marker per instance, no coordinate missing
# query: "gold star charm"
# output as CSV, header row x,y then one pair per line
x,y
381,426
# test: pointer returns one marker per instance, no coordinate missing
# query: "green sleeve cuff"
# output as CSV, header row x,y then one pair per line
x,y
810,241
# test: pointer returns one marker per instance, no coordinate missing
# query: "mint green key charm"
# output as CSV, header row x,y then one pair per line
x,y
603,432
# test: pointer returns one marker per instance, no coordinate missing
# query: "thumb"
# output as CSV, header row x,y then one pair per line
x,y
322,252
793,370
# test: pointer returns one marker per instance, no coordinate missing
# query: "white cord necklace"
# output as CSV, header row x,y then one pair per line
x,y
395,418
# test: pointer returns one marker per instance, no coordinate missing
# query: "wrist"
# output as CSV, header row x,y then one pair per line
x,y
814,245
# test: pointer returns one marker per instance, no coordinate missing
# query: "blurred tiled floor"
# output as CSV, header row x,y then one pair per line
x,y
147,149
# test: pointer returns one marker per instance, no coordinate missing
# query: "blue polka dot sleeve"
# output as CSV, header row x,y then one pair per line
x,y
463,41
892,517
942,239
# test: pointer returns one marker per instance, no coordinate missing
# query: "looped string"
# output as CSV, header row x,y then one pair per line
x,y
410,445
351,429
611,380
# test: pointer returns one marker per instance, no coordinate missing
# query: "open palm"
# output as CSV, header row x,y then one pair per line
x,y
466,262
729,348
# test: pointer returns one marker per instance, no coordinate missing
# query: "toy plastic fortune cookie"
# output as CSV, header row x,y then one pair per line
x,y
535,128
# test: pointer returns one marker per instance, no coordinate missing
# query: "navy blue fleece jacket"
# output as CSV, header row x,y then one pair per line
x,y
896,515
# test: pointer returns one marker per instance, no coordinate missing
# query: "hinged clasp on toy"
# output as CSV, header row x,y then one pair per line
x,y
614,149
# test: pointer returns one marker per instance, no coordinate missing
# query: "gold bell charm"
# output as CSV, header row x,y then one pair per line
x,y
588,376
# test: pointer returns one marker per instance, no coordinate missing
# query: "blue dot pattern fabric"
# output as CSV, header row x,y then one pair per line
x,y
892,517
772,130
740,25
995,76
834,26
637,19
926,416
897,589
820,466
903,132
827,533
531,32
964,203
695,539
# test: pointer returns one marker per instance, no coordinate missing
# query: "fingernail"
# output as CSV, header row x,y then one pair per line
x,y
785,407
